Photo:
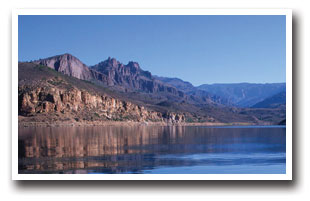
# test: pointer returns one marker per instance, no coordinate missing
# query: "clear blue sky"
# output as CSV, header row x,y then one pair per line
x,y
199,49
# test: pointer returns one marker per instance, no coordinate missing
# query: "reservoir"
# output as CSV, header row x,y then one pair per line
x,y
152,149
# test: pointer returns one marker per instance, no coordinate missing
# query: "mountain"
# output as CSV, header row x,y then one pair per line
x,y
62,88
131,77
111,73
72,66
275,101
67,64
142,86
48,96
244,94
195,94
176,82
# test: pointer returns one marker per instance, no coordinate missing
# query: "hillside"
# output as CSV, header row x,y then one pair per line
x,y
178,83
67,89
275,101
244,94
68,65
128,78
46,95
195,94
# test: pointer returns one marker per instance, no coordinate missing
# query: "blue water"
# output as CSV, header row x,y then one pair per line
x,y
153,150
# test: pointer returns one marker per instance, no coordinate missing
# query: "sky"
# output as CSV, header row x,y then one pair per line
x,y
199,49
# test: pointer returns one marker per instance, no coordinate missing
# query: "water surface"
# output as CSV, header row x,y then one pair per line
x,y
152,150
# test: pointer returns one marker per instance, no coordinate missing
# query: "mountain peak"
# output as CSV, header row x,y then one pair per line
x,y
66,64
133,64
110,62
68,55
65,56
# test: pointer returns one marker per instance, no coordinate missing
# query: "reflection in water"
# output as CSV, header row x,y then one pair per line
x,y
151,149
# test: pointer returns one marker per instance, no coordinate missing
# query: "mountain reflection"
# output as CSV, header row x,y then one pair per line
x,y
134,149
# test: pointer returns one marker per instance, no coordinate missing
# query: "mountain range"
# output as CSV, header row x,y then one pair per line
x,y
276,101
128,82
110,73
244,94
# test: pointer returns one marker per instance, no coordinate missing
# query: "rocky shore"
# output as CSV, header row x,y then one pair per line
x,y
24,123
45,104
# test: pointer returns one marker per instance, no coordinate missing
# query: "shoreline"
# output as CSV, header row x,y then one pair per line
x,y
130,123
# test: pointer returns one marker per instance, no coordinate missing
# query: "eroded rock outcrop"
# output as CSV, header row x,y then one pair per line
x,y
68,65
132,77
84,106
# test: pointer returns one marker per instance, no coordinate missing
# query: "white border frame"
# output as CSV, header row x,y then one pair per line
x,y
286,12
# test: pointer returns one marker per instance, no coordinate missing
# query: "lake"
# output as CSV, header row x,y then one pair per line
x,y
152,150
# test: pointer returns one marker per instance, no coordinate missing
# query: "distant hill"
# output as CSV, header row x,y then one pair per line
x,y
178,83
275,101
194,93
244,94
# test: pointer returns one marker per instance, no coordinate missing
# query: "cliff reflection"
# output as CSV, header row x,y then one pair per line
x,y
131,149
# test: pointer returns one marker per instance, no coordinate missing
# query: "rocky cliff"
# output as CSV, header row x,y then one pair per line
x,y
50,96
110,73
131,77
75,103
67,64
72,66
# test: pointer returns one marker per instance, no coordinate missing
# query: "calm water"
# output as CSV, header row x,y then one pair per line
x,y
152,150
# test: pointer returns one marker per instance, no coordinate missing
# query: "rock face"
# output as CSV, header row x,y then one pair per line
x,y
110,73
67,64
132,77
76,103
